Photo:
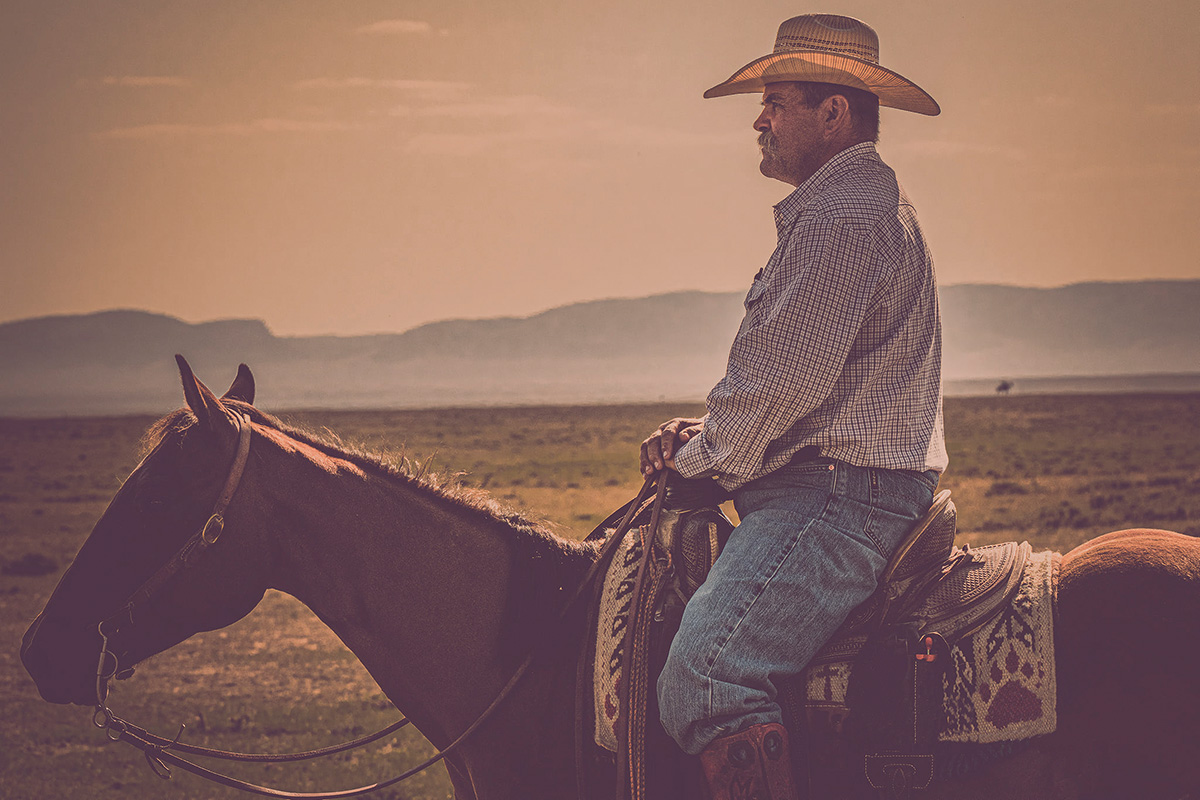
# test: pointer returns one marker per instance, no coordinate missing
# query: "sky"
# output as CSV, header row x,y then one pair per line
x,y
360,166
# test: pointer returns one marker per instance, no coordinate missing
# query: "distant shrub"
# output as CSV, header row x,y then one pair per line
x,y
1167,480
30,565
1002,488
1064,516
1165,515
1102,501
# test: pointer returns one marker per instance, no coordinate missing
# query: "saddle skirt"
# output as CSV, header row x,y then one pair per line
x,y
992,606
999,684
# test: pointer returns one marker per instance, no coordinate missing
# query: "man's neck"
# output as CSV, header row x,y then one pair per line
x,y
822,158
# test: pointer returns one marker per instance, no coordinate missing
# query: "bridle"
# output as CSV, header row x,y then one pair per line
x,y
200,541
161,753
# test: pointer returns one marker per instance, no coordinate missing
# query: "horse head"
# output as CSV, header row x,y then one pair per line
x,y
156,513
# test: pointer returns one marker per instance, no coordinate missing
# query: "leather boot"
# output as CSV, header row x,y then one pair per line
x,y
749,765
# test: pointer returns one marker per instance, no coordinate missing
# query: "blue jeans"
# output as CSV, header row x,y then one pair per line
x,y
813,540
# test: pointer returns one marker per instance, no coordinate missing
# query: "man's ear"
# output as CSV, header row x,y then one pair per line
x,y
836,117
835,110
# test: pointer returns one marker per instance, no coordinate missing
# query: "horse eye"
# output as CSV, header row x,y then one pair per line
x,y
152,495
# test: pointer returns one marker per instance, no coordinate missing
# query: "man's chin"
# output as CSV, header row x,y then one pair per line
x,y
773,169
769,168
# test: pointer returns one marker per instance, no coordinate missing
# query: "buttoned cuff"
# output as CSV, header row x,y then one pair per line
x,y
691,460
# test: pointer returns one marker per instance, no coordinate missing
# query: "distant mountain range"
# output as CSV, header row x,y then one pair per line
x,y
670,346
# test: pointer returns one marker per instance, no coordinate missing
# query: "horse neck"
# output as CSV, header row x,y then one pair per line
x,y
426,591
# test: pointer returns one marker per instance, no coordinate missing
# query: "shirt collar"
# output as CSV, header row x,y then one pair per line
x,y
789,208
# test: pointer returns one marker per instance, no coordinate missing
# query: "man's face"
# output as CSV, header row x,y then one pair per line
x,y
789,135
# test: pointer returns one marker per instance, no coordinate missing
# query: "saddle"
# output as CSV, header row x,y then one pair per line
x,y
931,595
933,586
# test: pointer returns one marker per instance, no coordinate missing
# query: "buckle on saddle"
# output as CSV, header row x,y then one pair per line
x,y
213,529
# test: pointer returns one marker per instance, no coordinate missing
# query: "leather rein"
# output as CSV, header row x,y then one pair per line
x,y
161,753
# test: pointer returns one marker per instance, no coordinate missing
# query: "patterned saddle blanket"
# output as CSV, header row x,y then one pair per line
x,y
993,606
999,684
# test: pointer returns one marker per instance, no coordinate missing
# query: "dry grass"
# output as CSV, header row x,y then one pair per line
x,y
1053,470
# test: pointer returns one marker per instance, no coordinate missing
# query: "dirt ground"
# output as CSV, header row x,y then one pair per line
x,y
1053,470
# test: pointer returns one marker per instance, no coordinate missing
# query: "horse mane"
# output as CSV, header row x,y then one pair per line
x,y
544,566
444,487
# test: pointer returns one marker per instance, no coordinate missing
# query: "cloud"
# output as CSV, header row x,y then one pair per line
x,y
258,126
1159,172
530,119
1056,101
137,81
394,84
1175,109
397,27
524,106
952,149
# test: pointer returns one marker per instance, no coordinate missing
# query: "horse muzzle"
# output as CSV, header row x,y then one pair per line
x,y
60,655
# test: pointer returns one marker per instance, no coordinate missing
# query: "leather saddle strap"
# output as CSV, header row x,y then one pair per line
x,y
629,512
631,694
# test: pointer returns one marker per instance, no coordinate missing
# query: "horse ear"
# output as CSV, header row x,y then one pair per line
x,y
200,399
242,387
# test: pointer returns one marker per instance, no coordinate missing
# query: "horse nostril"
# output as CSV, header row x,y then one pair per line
x,y
60,657
33,658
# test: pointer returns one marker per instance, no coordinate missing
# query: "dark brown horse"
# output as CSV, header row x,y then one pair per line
x,y
441,597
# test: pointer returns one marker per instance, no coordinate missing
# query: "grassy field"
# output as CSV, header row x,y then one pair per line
x,y
1055,470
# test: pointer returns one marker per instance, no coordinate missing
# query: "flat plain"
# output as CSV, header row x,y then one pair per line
x,y
1053,470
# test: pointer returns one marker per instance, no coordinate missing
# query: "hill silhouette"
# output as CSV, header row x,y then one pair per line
x,y
670,346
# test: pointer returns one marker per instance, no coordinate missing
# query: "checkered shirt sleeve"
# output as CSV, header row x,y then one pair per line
x,y
840,346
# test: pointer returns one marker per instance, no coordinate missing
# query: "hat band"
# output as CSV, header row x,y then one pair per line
x,y
789,42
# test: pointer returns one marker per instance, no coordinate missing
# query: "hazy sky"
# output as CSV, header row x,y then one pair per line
x,y
351,166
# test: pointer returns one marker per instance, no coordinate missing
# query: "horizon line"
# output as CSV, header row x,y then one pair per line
x,y
610,298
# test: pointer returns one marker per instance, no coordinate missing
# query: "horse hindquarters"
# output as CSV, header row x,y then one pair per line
x,y
1128,638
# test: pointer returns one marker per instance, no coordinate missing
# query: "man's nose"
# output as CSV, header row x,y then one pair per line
x,y
761,124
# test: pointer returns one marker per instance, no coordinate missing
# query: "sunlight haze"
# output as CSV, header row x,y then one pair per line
x,y
353,167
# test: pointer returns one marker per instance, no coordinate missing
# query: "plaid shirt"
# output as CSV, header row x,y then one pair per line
x,y
841,345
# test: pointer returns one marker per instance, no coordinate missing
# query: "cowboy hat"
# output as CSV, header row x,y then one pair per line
x,y
827,48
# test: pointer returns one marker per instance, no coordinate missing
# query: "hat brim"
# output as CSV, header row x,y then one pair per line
x,y
892,89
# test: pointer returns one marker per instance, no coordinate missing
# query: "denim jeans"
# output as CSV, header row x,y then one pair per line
x,y
813,540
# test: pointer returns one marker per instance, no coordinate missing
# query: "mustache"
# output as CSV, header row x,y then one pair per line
x,y
767,142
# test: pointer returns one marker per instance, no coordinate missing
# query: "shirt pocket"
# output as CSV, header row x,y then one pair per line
x,y
757,289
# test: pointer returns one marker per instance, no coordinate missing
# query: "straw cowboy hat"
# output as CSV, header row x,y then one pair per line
x,y
827,48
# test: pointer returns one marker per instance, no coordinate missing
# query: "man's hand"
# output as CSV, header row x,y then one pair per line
x,y
660,447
